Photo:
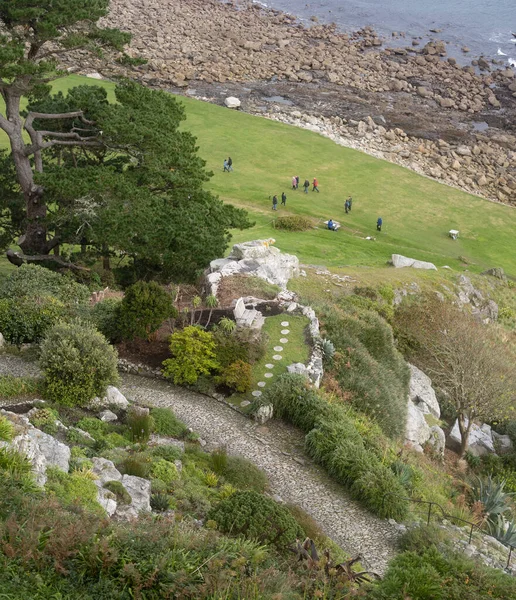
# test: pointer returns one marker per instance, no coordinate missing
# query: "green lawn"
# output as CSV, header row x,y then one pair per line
x,y
417,212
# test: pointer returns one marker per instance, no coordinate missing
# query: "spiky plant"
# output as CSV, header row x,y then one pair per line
x,y
211,302
227,325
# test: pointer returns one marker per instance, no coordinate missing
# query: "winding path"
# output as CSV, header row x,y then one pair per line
x,y
277,449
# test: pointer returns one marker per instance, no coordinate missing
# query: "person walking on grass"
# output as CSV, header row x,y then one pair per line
x,y
379,223
230,163
294,183
315,183
346,206
306,185
275,202
226,168
283,199
297,181
349,202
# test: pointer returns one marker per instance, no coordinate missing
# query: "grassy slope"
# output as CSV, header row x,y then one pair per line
x,y
417,212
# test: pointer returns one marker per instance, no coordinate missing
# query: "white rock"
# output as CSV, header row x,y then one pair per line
x,y
106,499
480,441
107,416
297,369
264,413
94,75
139,489
417,429
400,262
232,102
437,439
2,340
502,443
116,398
105,470
422,393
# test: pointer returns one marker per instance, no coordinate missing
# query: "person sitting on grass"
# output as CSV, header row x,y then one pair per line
x,y
331,225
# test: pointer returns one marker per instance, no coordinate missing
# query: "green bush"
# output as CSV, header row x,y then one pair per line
x,y
137,464
160,502
256,517
170,453
166,423
27,320
237,377
105,316
45,419
164,471
78,364
242,344
244,474
140,425
219,460
116,487
381,492
293,223
193,354
20,387
33,281
95,427
6,430
73,488
143,309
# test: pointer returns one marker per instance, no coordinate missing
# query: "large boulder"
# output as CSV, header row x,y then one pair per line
x,y
399,261
41,449
2,340
437,440
106,499
422,393
140,491
105,470
232,102
417,430
480,438
502,443
113,398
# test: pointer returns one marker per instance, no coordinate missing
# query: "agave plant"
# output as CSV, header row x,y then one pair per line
x,y
490,492
227,325
503,530
328,350
211,302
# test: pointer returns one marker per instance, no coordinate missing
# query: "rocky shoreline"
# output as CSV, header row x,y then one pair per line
x,y
409,105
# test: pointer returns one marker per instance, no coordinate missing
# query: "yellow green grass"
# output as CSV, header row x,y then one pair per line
x,y
417,212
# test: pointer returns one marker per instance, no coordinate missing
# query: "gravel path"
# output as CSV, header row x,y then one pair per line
x,y
278,449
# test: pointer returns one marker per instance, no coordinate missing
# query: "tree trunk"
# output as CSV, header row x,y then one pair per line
x,y
464,434
34,240
106,264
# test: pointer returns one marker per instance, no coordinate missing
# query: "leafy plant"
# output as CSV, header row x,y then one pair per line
x,y
160,502
140,424
237,377
219,460
166,423
105,316
491,493
170,453
143,309
193,354
78,363
27,320
73,488
211,479
164,471
293,223
45,419
328,350
117,488
244,474
6,430
227,325
20,387
137,465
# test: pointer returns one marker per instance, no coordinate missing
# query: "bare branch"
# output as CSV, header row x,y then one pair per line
x,y
16,258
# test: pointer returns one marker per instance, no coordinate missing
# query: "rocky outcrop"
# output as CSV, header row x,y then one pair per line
x,y
140,491
485,308
480,440
258,258
400,262
113,398
417,430
41,449
422,394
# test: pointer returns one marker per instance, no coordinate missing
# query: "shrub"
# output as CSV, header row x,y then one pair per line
x,y
45,419
78,363
244,474
170,453
140,425
19,387
105,316
237,377
166,423
143,309
193,354
242,344
160,502
258,518
293,223
158,487
211,479
219,460
95,427
164,471
137,465
73,488
27,320
116,487
6,430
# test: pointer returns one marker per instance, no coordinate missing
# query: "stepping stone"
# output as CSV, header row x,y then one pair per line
x,y
256,394
269,375
244,403
284,340
278,348
261,383
269,366
284,323
285,331
277,357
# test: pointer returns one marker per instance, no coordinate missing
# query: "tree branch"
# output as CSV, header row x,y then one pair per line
x,y
18,259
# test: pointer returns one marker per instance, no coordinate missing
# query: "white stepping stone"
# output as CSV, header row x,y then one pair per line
x,y
269,366
284,323
256,394
244,403
285,331
278,348
269,375
262,383
277,357
284,340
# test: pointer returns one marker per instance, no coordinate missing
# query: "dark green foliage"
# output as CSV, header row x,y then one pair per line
x,y
244,474
219,460
242,344
78,364
27,320
45,419
166,423
104,316
143,309
170,453
257,517
381,492
368,366
237,377
293,223
116,487
140,425
160,502
20,387
137,465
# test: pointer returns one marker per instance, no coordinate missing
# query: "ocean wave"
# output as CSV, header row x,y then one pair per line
x,y
500,53
513,40
512,62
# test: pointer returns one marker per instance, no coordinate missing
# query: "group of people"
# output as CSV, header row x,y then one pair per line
x,y
228,164
306,184
275,201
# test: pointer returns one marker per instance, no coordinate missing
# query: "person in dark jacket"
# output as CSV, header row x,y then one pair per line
x,y
379,223
283,199
275,202
230,164
306,185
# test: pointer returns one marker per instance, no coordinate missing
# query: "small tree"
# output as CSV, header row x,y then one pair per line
x,y
78,363
464,357
193,354
143,309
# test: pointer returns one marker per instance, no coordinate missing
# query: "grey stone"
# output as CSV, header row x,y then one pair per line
x,y
278,348
2,340
140,490
297,369
502,443
284,340
162,440
106,499
285,331
422,393
232,102
417,429
401,262
105,470
437,439
497,272
285,323
269,366
264,413
261,384
113,397
269,375
107,416
257,393
244,403
277,357
480,441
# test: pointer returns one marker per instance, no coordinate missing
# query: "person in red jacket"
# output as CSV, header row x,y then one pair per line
x,y
315,183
